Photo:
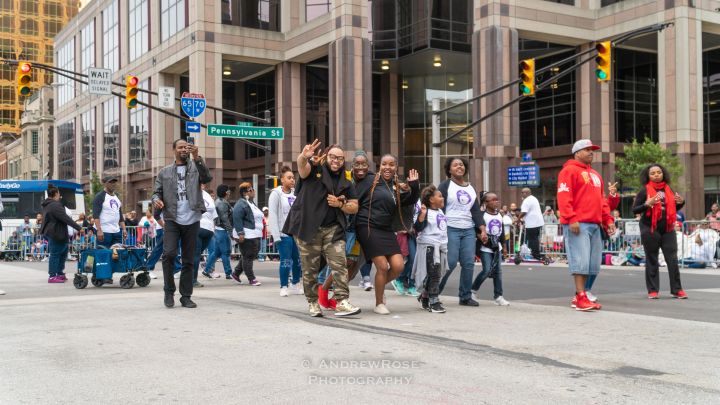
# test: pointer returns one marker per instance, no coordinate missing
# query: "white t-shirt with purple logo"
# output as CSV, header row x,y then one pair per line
x,y
494,227
435,231
459,201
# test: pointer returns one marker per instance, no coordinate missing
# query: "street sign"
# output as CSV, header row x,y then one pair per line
x,y
527,157
193,104
523,176
100,81
244,132
192,126
167,97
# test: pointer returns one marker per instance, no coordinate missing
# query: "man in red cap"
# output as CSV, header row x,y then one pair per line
x,y
584,213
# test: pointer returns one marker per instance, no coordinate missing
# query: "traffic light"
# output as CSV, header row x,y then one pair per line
x,y
604,61
527,75
271,182
24,77
131,91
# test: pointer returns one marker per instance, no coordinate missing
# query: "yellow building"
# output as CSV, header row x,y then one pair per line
x,y
27,29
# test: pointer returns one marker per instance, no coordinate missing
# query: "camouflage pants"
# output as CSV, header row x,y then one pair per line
x,y
310,254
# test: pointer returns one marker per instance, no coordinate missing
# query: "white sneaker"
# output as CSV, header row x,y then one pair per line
x,y
367,285
152,275
177,275
590,296
2,292
361,283
283,291
381,309
296,289
474,294
501,301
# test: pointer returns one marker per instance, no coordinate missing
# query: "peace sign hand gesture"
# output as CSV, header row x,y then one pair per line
x,y
310,149
612,189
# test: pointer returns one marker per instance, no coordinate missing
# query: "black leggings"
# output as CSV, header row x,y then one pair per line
x,y
249,249
653,242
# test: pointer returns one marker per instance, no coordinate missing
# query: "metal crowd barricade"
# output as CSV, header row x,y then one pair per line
x,y
698,243
16,244
268,250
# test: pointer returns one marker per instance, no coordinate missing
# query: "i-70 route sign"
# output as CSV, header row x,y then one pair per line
x,y
193,104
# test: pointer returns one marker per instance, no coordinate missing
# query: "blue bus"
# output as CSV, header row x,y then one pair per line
x,y
24,197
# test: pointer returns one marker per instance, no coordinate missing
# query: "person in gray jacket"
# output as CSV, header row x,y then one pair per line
x,y
223,233
247,220
178,194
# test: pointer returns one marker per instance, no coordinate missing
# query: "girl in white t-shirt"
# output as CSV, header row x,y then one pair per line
x,y
431,256
490,249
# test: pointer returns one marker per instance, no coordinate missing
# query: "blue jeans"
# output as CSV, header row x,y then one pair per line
x,y
110,239
58,255
221,249
28,241
263,249
204,240
289,260
405,276
461,247
491,267
584,250
156,253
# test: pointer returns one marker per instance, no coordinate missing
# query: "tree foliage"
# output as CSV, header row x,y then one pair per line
x,y
638,155
95,187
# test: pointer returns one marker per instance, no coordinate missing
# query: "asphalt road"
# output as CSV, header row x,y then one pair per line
x,y
60,345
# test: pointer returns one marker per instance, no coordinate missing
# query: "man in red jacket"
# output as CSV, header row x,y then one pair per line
x,y
584,212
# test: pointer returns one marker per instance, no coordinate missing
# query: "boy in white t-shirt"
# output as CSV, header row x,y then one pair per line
x,y
490,249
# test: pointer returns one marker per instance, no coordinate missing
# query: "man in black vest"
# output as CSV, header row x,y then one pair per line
x,y
317,221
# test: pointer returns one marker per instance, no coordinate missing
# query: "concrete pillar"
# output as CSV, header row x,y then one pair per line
x,y
351,93
496,141
290,111
206,77
680,98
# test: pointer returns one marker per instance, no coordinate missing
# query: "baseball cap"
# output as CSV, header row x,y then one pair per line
x,y
110,178
584,144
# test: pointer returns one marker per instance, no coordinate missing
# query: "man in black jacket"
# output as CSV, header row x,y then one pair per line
x,y
55,228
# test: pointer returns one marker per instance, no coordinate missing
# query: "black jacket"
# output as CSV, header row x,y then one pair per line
x,y
56,221
224,219
477,215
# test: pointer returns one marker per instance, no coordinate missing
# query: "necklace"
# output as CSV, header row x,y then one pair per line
x,y
391,192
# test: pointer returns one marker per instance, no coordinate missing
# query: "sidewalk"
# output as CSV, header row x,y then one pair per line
x,y
242,344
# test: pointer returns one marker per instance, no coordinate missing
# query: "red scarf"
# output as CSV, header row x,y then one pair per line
x,y
655,211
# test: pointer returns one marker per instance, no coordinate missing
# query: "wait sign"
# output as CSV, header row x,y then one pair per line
x,y
245,132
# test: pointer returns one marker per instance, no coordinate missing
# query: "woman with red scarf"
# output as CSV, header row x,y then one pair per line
x,y
657,204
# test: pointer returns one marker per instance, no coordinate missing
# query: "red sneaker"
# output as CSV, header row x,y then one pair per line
x,y
573,303
653,295
680,294
584,304
323,299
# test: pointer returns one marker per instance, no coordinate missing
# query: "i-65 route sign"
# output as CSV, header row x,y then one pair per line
x,y
193,104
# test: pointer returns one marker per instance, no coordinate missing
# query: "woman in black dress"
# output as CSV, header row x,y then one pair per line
x,y
658,205
381,200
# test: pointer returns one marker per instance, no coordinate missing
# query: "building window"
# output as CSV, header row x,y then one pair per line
x,y
34,142
172,17
568,2
111,37
87,49
140,128
66,60
317,99
111,134
711,96
138,28
260,14
34,175
605,3
636,95
548,119
87,136
316,8
66,150
259,97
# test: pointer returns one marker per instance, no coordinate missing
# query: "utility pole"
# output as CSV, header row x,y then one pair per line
x,y
268,156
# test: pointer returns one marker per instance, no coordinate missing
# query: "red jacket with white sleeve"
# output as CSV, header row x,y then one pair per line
x,y
580,195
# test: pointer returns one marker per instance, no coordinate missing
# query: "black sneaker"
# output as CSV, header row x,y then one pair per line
x,y
437,308
187,303
469,303
208,275
169,300
424,302
198,284
228,277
